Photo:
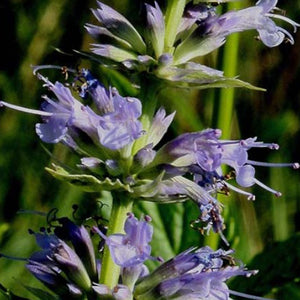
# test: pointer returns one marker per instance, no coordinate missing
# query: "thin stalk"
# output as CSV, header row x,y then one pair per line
x,y
174,13
226,96
224,103
110,272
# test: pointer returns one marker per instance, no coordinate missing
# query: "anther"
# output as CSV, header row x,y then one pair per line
x,y
147,218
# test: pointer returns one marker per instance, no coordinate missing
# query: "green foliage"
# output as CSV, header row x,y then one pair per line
x,y
9,295
88,183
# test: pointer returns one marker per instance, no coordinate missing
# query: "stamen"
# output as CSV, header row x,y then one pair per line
x,y
276,193
255,144
293,23
247,296
223,238
97,230
276,165
224,143
288,35
26,110
249,195
147,218
43,67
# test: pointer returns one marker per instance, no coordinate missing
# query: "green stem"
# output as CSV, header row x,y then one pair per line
x,y
110,272
225,98
174,13
229,63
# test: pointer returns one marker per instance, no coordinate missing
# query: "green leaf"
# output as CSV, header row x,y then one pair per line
x,y
41,294
192,75
174,223
9,295
88,183
112,52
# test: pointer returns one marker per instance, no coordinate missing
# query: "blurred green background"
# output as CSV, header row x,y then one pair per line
x,y
30,32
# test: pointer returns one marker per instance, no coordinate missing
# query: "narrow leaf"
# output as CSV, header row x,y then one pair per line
x,y
88,183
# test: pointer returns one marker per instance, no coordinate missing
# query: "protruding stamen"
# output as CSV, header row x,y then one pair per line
x,y
233,188
43,67
276,165
223,238
276,193
26,110
293,23
97,230
247,296
254,144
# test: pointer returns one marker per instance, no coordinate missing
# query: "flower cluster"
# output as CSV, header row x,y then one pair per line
x,y
127,159
68,267
200,31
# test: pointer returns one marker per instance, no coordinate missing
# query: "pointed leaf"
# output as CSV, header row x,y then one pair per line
x,y
113,52
9,295
88,183
41,294
198,76
174,223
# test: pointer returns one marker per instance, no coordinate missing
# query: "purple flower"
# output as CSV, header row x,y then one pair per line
x,y
82,243
257,17
132,248
202,285
193,274
67,269
56,256
52,279
159,126
67,112
114,126
200,32
202,153
117,123
126,44
212,29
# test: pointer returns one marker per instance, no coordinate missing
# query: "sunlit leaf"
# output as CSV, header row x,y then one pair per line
x,y
87,183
